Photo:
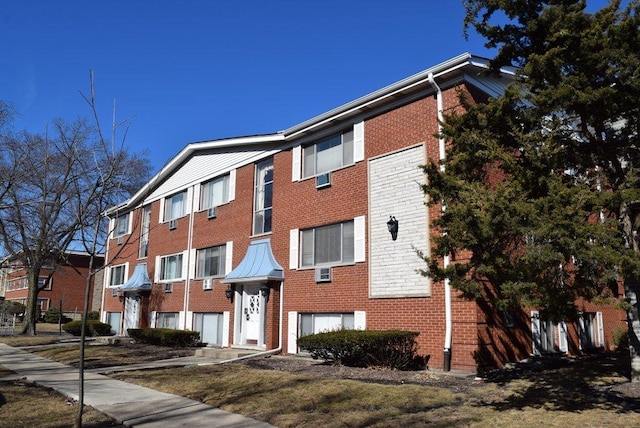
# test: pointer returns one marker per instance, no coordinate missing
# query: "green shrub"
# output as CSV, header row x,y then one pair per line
x,y
94,328
93,315
53,316
165,337
621,338
363,348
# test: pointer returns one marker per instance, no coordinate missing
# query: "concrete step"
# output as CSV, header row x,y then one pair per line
x,y
223,353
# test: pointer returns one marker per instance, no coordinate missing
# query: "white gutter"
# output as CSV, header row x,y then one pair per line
x,y
446,261
260,354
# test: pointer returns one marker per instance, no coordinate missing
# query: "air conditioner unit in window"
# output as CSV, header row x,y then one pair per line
x,y
323,180
212,213
173,224
168,287
323,274
119,240
207,284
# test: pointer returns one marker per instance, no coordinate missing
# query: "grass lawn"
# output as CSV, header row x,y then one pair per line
x,y
290,400
577,393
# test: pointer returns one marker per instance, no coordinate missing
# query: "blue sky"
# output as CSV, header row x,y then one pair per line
x,y
187,71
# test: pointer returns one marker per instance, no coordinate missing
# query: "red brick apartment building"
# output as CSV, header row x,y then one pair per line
x,y
256,241
61,282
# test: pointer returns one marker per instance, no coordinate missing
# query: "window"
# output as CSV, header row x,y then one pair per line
x,y
590,330
547,336
167,320
144,232
210,327
121,225
214,192
117,275
262,212
318,323
211,261
171,267
328,154
174,206
44,283
332,244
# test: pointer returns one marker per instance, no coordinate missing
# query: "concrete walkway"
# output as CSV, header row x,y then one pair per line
x,y
128,404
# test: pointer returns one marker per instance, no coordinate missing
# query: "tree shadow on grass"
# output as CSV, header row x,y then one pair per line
x,y
567,384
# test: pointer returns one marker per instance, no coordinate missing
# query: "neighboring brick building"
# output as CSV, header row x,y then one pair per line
x,y
255,241
63,282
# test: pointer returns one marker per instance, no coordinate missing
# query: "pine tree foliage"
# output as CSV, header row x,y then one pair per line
x,y
542,185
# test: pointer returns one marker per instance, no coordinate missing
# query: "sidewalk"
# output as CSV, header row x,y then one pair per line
x,y
128,404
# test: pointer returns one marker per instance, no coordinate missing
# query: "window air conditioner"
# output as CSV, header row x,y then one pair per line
x,y
212,213
168,287
173,224
323,274
323,180
119,240
207,284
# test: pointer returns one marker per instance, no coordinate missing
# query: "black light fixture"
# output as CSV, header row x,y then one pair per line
x,y
265,291
392,225
229,292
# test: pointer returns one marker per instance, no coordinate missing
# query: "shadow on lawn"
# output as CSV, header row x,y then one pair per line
x,y
568,384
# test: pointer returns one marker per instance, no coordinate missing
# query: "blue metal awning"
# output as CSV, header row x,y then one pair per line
x,y
139,280
258,264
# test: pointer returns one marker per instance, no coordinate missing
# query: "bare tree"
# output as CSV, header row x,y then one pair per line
x,y
55,187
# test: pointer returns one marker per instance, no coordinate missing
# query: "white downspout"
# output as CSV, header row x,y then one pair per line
x,y
446,261
187,279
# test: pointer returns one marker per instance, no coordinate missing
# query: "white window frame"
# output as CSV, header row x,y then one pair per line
x,y
207,195
313,155
161,263
222,261
308,238
145,228
112,269
590,330
168,212
349,317
261,207
163,317
121,225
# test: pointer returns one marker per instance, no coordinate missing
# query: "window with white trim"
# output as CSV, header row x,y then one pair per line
x,y
145,227
214,192
117,275
318,323
175,206
167,320
263,200
44,283
328,154
327,245
121,225
590,330
171,267
211,262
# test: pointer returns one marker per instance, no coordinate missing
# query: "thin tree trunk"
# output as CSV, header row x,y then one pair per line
x,y
85,311
32,310
630,217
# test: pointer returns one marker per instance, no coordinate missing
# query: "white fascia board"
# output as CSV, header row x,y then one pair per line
x,y
386,92
185,153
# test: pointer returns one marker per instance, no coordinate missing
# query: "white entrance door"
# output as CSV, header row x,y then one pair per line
x,y
131,313
252,316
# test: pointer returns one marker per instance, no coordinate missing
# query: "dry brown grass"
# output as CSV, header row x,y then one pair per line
x,y
574,393
563,397
27,405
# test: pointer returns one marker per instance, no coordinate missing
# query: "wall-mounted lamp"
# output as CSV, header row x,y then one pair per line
x,y
392,225
229,292
265,291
